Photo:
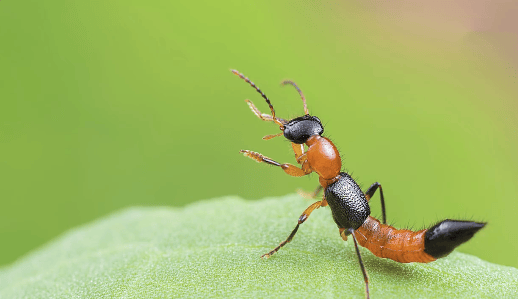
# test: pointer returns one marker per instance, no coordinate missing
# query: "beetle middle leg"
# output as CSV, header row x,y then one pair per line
x,y
311,195
301,157
370,192
288,168
302,218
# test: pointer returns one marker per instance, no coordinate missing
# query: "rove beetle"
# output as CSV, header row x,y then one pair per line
x,y
349,205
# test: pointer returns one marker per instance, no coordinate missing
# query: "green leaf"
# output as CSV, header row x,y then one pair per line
x,y
212,249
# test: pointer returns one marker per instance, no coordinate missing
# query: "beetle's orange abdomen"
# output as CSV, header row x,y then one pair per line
x,y
400,245
323,157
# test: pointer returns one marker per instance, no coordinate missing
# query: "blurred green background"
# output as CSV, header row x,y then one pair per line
x,y
109,104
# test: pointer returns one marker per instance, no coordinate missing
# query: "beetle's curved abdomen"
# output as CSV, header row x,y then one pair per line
x,y
400,245
406,246
347,202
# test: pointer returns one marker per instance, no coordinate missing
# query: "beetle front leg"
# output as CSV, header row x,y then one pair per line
x,y
288,168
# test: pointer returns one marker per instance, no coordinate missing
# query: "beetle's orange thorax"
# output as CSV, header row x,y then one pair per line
x,y
323,157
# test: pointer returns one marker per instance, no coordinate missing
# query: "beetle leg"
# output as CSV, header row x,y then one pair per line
x,y
302,218
370,192
262,116
288,168
311,195
364,272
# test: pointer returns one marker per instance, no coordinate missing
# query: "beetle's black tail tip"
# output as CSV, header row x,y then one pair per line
x,y
442,238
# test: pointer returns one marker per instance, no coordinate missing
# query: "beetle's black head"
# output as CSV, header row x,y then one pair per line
x,y
298,130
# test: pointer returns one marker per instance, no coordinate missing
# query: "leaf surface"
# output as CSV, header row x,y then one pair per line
x,y
212,249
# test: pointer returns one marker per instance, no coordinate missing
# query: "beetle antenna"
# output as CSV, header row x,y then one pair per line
x,y
300,93
277,121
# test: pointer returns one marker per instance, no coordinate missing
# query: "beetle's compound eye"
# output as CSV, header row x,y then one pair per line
x,y
298,130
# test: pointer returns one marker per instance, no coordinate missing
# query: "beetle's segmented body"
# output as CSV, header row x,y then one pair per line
x,y
349,205
400,245
406,246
